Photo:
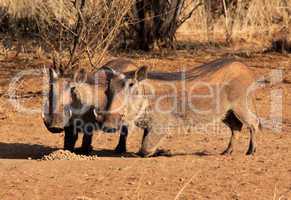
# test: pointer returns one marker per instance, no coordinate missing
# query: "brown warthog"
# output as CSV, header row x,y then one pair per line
x,y
220,90
73,97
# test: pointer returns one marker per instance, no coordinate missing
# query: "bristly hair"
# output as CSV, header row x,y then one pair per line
x,y
190,74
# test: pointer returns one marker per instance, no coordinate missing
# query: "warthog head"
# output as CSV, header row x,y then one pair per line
x,y
75,96
120,92
56,110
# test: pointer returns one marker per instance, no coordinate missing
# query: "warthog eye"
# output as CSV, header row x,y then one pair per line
x,y
131,84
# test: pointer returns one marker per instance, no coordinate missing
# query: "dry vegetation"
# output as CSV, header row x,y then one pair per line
x,y
261,23
255,22
56,25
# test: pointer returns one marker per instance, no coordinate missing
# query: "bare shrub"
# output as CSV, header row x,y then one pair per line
x,y
67,28
93,28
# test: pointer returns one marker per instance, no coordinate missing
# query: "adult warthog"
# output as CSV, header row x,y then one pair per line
x,y
73,97
160,101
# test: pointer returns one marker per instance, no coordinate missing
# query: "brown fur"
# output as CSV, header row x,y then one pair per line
x,y
230,81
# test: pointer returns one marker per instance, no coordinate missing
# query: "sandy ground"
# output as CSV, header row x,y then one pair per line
x,y
195,171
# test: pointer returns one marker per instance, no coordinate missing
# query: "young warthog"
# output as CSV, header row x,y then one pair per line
x,y
221,90
73,97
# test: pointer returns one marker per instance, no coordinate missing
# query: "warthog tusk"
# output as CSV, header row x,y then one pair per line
x,y
94,111
98,116
70,113
42,115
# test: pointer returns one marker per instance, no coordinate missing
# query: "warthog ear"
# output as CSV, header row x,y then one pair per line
x,y
52,74
141,73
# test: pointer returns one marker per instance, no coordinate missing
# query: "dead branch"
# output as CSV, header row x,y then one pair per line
x,y
189,15
79,30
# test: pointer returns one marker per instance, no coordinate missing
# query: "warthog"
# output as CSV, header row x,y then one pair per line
x,y
73,97
220,90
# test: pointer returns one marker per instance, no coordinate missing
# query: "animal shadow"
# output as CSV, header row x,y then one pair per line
x,y
112,153
198,153
159,153
24,151
37,151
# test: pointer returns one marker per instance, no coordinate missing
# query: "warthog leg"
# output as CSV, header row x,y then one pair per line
x,y
142,152
71,137
86,147
229,148
121,147
235,126
252,144
150,142
252,123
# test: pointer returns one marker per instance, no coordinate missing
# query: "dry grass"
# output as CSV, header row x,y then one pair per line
x,y
40,10
263,18
258,24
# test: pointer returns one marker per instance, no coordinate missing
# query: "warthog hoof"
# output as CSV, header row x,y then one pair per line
x,y
227,152
158,152
143,154
251,151
120,149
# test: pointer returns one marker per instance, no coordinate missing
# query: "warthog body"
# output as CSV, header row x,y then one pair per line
x,y
72,99
221,90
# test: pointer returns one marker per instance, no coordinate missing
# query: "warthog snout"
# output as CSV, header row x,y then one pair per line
x,y
110,122
56,122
